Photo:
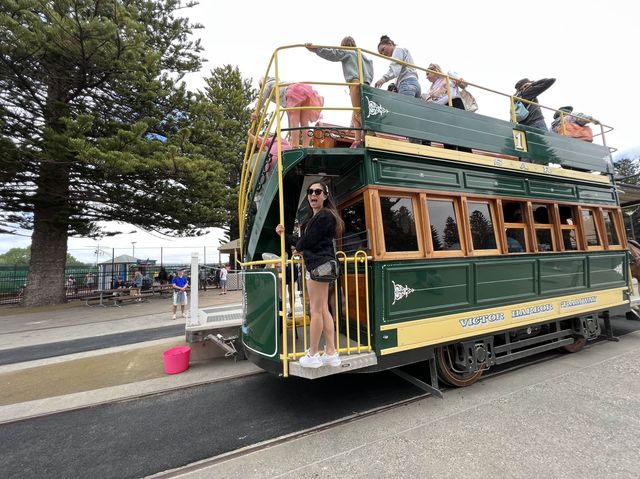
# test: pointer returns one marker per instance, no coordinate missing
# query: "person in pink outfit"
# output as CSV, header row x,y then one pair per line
x,y
294,95
272,144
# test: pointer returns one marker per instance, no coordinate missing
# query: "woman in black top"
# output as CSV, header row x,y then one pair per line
x,y
316,245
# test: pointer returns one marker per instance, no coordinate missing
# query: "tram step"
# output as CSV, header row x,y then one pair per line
x,y
350,362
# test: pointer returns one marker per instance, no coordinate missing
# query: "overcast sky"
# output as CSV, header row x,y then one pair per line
x,y
589,47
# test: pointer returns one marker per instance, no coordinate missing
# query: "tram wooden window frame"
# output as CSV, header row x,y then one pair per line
x,y
491,203
616,222
544,226
525,225
457,208
596,224
381,249
569,227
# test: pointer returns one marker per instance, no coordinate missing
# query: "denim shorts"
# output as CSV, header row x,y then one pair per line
x,y
410,87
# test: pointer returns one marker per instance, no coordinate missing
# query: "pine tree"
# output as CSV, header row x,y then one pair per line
x,y
627,171
95,126
225,132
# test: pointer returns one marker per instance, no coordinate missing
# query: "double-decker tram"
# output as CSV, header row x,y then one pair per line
x,y
504,244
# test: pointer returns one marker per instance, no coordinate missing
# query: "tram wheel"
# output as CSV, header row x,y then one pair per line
x,y
579,343
448,372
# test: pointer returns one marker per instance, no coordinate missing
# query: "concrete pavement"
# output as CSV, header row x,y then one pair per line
x,y
61,383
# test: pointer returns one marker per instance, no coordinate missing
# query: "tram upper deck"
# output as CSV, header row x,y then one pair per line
x,y
516,158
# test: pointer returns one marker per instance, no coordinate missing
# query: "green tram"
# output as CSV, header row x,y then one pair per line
x,y
462,260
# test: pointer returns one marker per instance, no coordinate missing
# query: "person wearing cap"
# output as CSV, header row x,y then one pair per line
x,y
574,125
529,90
180,285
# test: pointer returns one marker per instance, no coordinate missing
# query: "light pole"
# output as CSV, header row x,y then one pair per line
x,y
133,246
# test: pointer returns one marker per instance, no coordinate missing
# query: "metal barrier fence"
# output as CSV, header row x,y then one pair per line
x,y
83,281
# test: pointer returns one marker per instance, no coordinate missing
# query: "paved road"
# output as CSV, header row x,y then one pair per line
x,y
145,436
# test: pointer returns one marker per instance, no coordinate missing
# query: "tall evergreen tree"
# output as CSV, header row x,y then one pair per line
x,y
627,170
94,127
224,121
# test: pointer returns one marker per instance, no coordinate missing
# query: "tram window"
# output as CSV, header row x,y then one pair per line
x,y
512,212
355,235
566,215
610,228
481,223
515,227
543,227
515,240
399,224
544,238
444,225
590,229
541,214
569,239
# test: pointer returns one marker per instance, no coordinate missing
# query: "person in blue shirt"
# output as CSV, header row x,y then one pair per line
x,y
180,285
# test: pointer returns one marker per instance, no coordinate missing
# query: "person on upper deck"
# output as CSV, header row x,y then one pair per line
x,y
351,71
272,144
574,125
407,77
529,90
438,92
293,95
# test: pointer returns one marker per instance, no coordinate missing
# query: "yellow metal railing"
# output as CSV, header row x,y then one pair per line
x,y
348,287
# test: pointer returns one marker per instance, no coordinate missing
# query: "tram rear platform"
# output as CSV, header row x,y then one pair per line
x,y
570,415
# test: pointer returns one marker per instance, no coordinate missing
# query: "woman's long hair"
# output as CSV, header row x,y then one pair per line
x,y
329,205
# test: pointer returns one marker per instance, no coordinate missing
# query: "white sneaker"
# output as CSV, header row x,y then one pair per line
x,y
173,317
308,361
331,360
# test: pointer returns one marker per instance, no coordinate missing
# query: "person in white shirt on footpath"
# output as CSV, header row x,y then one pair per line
x,y
223,280
180,285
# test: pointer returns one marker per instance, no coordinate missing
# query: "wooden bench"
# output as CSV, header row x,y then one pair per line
x,y
161,289
116,297
131,298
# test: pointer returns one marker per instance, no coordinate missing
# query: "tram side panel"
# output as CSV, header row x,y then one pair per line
x,y
425,303
260,327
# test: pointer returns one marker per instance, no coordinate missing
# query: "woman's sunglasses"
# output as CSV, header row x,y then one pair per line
x,y
315,191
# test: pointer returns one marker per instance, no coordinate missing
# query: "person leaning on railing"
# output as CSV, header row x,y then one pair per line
x,y
293,95
351,71
574,125
407,77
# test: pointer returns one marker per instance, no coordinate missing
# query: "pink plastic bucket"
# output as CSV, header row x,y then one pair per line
x,y
176,359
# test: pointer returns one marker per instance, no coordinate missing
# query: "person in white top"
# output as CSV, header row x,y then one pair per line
x,y
407,77
223,280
